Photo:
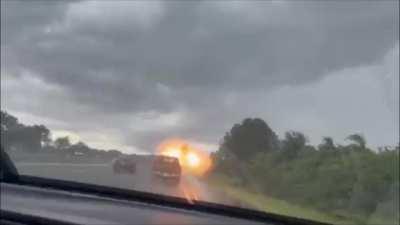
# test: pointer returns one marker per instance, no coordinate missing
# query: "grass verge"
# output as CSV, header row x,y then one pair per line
x,y
273,205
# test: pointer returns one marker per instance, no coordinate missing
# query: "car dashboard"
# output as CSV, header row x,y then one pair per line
x,y
73,208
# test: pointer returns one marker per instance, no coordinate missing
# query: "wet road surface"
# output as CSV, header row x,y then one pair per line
x,y
189,187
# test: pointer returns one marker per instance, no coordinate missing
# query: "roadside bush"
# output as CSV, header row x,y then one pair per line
x,y
359,182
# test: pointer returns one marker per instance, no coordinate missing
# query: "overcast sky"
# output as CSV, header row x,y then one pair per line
x,y
129,74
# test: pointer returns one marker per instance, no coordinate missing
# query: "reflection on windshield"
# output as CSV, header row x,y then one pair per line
x,y
281,106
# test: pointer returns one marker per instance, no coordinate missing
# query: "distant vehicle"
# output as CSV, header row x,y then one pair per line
x,y
124,165
167,169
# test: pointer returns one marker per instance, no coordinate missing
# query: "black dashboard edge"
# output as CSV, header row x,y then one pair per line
x,y
19,218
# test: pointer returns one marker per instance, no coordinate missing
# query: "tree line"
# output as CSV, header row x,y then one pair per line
x,y
17,138
351,180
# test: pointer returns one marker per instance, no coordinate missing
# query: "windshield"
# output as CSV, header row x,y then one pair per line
x,y
287,107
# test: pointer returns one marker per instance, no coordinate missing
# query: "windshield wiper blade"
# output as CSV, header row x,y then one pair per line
x,y
157,199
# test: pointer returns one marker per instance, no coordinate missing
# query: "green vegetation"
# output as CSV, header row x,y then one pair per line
x,y
271,205
33,143
349,181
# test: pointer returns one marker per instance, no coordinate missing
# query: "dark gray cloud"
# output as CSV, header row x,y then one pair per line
x,y
119,61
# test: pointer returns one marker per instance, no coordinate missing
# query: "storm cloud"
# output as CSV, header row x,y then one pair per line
x,y
128,74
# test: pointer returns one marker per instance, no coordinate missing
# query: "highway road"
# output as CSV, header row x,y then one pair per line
x,y
189,188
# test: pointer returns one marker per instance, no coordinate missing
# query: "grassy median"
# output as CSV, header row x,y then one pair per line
x,y
273,205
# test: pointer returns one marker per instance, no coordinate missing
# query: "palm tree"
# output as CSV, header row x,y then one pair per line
x,y
357,139
327,144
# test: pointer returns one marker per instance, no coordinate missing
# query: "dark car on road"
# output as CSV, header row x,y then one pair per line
x,y
167,169
124,165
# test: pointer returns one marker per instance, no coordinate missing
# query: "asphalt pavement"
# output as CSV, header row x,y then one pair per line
x,y
189,187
